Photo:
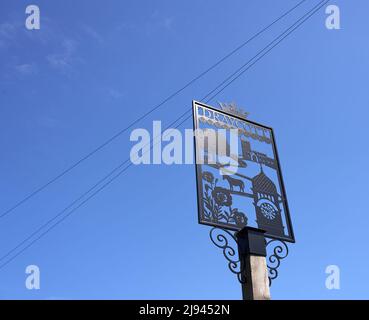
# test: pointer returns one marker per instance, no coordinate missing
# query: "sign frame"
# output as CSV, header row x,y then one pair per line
x,y
199,184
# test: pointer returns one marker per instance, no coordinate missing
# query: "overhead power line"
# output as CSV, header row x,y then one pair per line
x,y
119,133
270,47
254,60
83,195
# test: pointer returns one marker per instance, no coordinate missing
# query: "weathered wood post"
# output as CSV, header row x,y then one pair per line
x,y
252,253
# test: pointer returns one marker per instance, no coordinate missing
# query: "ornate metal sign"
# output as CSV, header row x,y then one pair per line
x,y
239,180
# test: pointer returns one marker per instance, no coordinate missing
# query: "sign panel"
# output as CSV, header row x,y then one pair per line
x,y
239,180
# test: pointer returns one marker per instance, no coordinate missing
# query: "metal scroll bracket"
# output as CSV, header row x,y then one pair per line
x,y
227,241
278,250
236,245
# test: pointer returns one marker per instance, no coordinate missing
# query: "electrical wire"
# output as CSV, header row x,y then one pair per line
x,y
115,136
282,36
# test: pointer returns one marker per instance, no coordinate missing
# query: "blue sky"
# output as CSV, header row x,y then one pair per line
x,y
94,67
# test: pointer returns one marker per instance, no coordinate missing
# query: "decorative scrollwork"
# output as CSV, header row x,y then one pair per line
x,y
222,239
226,240
278,250
232,108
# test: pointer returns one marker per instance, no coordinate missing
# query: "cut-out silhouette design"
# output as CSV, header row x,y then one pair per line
x,y
254,194
233,182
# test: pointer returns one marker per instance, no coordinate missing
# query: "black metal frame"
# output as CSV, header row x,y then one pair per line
x,y
291,237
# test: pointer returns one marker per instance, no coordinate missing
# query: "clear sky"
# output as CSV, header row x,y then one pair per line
x,y
95,66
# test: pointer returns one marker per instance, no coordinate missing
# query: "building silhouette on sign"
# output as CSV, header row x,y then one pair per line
x,y
266,202
255,156
211,149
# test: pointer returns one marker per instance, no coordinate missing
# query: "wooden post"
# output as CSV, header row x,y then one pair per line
x,y
252,252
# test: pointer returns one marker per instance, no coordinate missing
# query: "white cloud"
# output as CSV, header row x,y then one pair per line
x,y
92,33
7,30
115,94
63,60
56,49
156,22
7,33
159,21
168,23
26,68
